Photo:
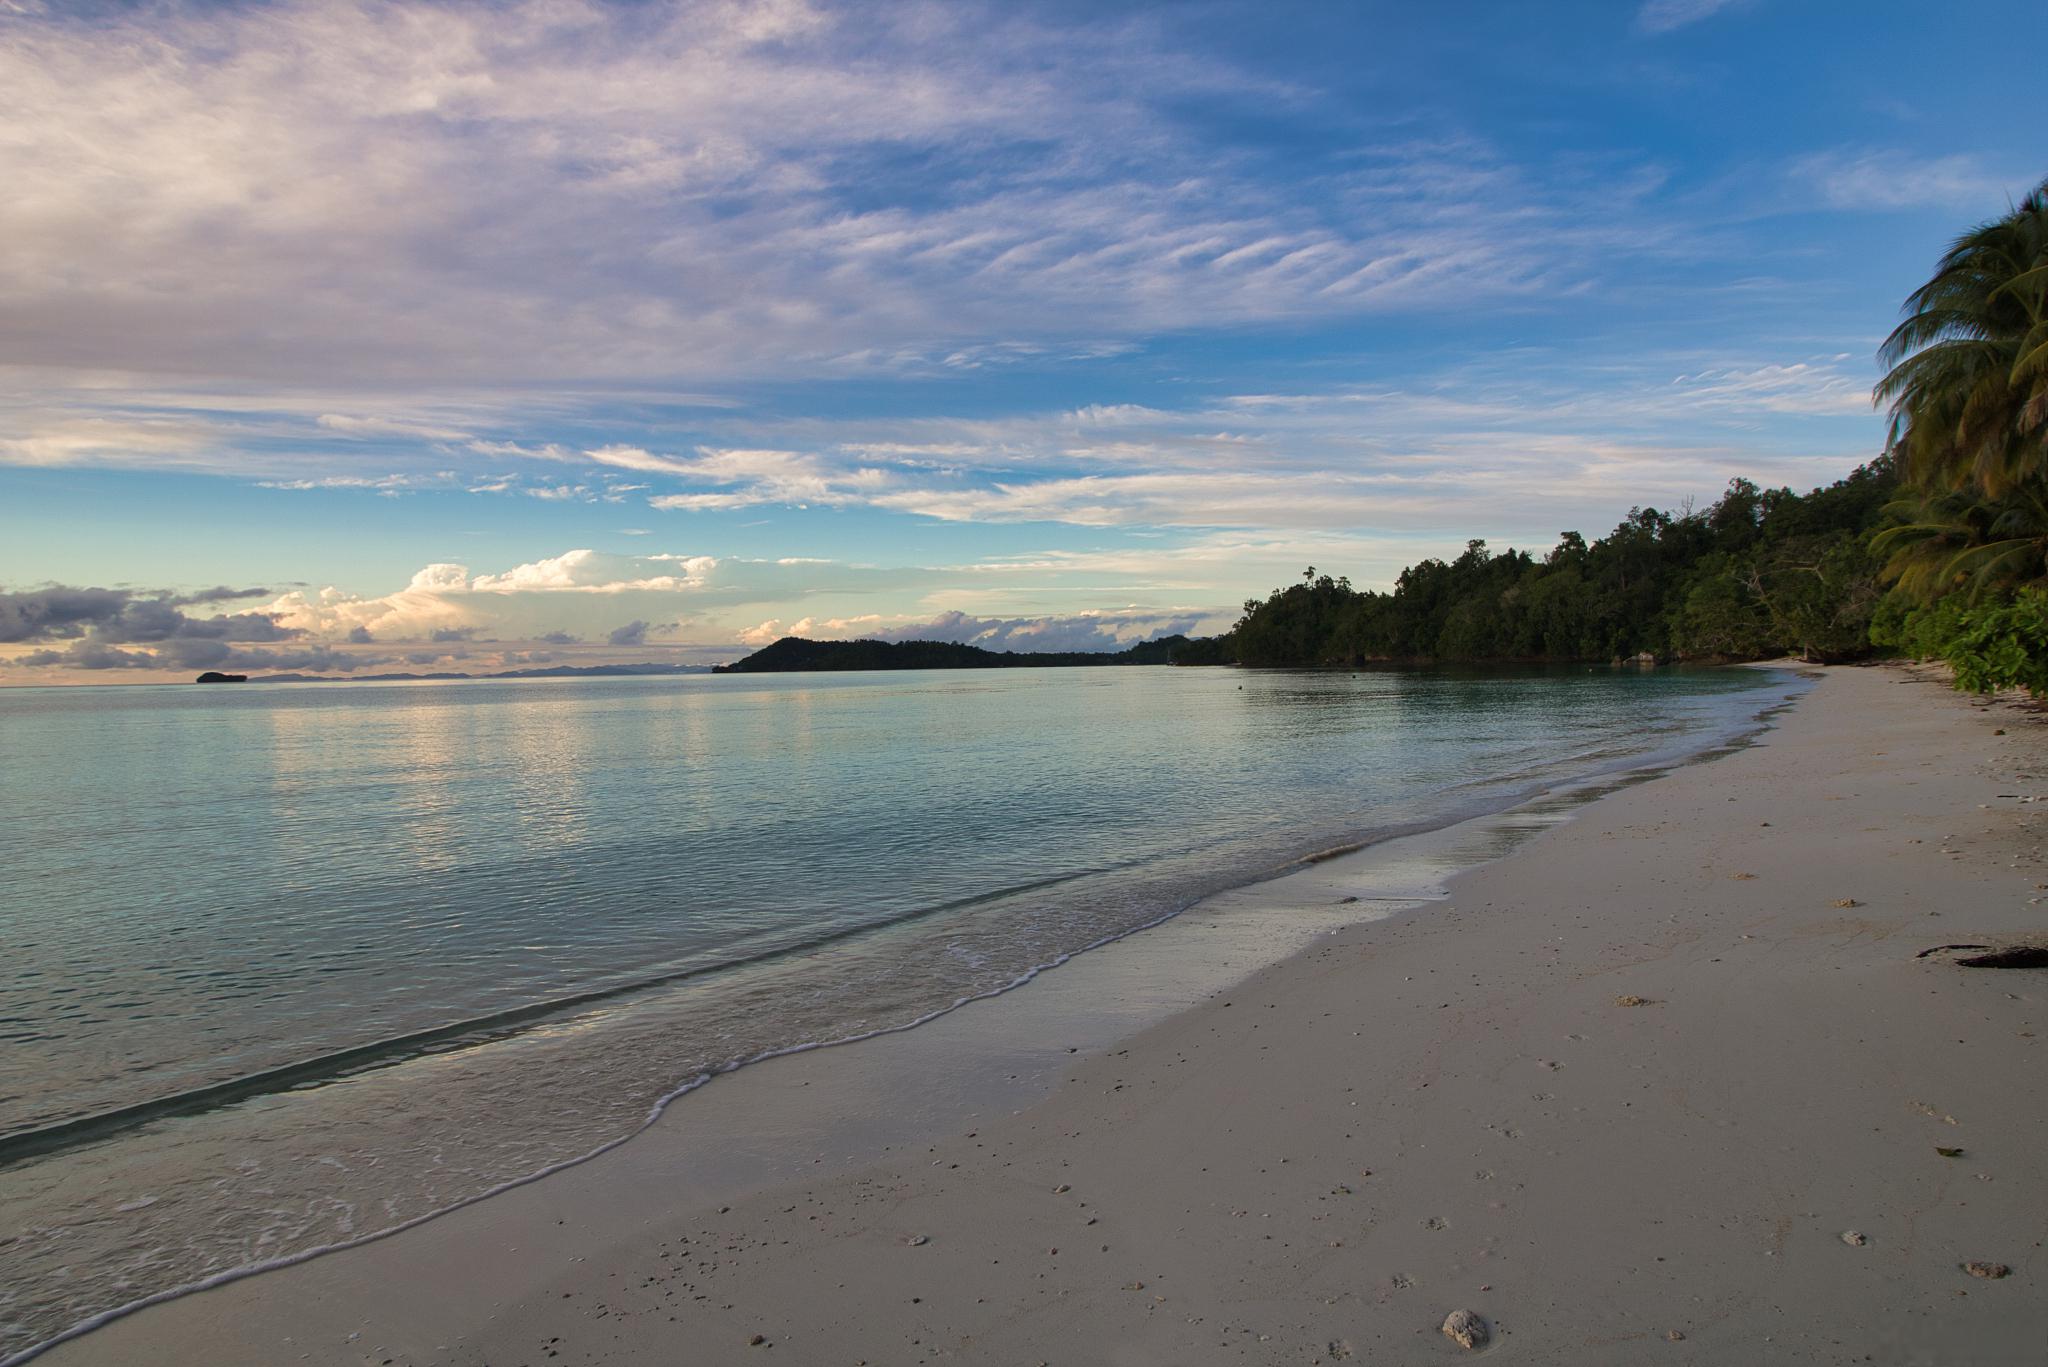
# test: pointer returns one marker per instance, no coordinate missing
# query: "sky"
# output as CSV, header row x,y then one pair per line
x,y
360,337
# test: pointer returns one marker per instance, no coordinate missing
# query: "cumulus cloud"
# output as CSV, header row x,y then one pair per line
x,y
588,571
571,598
864,626
121,629
581,605
123,616
38,614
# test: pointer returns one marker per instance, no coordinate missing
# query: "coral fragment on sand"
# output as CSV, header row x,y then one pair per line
x,y
1466,1329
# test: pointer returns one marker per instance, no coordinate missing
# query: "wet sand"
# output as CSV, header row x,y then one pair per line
x,y
1623,1095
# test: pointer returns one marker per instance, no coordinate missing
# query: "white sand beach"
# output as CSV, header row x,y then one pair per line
x,y
1669,1083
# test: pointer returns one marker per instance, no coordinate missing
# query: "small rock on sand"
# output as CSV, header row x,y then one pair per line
x,y
1988,1271
1854,1238
916,1240
1631,999
1466,1329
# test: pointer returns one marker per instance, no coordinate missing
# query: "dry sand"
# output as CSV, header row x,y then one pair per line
x,y
1627,1095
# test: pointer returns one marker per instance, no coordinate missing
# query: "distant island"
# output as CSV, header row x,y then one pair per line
x,y
796,655
549,672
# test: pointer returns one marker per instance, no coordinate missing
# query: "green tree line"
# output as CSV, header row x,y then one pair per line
x,y
1937,548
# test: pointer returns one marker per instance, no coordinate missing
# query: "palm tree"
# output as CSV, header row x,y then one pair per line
x,y
1958,541
1968,379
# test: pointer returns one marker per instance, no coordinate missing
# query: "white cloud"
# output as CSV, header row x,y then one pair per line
x,y
814,628
411,614
1663,16
687,189
77,439
584,594
441,579
587,571
1960,185
764,476
1095,630
1480,444
383,484
1104,630
1800,387
387,427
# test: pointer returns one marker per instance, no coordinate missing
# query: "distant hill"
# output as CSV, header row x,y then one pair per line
x,y
795,655
549,672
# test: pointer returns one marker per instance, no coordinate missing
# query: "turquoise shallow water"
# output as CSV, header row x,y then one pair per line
x,y
289,964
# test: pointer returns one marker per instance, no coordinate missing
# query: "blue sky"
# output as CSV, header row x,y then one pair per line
x,y
482,335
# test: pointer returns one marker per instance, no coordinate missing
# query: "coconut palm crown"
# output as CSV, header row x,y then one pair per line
x,y
1968,378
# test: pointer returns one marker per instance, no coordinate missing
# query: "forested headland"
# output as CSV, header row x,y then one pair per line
x,y
1937,548
1761,572
796,655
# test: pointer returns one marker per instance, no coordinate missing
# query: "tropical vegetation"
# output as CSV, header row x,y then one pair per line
x,y
1761,572
1967,548
1938,548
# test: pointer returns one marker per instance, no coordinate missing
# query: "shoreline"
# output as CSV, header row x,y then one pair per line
x,y
509,1022
1390,872
124,1244
251,1315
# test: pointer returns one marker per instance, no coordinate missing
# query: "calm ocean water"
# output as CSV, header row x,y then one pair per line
x,y
287,965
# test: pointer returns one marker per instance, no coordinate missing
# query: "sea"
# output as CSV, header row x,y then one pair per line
x,y
286,966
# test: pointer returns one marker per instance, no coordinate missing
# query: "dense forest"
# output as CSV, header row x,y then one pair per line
x,y
1938,548
1760,573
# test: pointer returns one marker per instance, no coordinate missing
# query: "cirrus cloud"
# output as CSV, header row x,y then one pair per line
x,y
669,188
